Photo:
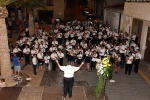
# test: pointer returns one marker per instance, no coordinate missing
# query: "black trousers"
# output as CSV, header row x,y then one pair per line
x,y
27,59
68,84
128,68
136,65
93,65
122,60
34,69
53,65
61,61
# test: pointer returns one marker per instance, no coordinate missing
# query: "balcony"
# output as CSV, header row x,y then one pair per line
x,y
138,10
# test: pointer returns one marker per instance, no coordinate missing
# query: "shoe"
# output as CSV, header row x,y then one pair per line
x,y
15,76
35,74
64,98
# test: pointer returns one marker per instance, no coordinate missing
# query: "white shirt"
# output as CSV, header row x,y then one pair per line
x,y
53,56
16,50
69,70
26,51
138,56
46,59
122,49
40,55
34,60
60,55
129,60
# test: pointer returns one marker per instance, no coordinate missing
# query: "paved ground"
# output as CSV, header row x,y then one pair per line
x,y
134,87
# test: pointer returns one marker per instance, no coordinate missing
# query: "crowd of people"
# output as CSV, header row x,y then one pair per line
x,y
78,41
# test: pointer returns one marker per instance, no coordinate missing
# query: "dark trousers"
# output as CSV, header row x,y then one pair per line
x,y
61,61
128,69
136,65
53,65
59,41
27,59
34,69
68,84
122,60
93,64
79,61
46,66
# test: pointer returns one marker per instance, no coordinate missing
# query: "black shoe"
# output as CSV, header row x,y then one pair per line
x,y
35,73
70,96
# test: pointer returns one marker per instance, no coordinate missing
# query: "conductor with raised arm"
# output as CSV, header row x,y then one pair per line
x,y
68,77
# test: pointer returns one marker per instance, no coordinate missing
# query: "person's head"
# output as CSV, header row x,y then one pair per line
x,y
15,55
2,80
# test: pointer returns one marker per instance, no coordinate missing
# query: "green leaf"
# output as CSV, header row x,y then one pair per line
x,y
100,86
31,4
4,3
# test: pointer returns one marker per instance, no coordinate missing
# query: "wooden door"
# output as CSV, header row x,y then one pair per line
x,y
147,50
137,28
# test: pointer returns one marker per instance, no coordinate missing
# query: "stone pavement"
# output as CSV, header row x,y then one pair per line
x,y
126,87
133,87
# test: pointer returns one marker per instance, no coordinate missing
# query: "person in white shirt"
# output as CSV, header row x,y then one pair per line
x,y
73,42
80,57
3,83
129,60
122,49
68,77
26,52
17,51
40,56
59,37
46,61
55,43
60,56
34,62
93,61
54,57
137,60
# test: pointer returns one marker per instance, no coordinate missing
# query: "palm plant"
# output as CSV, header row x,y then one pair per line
x,y
6,71
30,5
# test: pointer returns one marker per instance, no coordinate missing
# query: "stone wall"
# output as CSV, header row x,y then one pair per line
x,y
126,23
111,18
57,8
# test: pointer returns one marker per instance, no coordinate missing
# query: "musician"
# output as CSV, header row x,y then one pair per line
x,y
17,51
73,42
59,37
129,60
68,49
34,62
40,57
66,35
93,61
60,56
46,61
54,42
26,52
88,59
80,57
60,47
137,60
54,57
72,56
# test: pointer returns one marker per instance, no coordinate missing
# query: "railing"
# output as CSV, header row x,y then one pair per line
x,y
137,0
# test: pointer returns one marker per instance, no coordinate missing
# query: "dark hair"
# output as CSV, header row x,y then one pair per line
x,y
3,80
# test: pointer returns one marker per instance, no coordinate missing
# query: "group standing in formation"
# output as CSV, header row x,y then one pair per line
x,y
78,41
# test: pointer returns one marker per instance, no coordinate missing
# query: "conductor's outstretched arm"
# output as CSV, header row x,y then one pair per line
x,y
57,63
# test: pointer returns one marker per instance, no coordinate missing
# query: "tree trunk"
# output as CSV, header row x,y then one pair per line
x,y
31,23
6,70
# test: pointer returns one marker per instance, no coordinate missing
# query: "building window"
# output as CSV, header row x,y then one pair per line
x,y
49,2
